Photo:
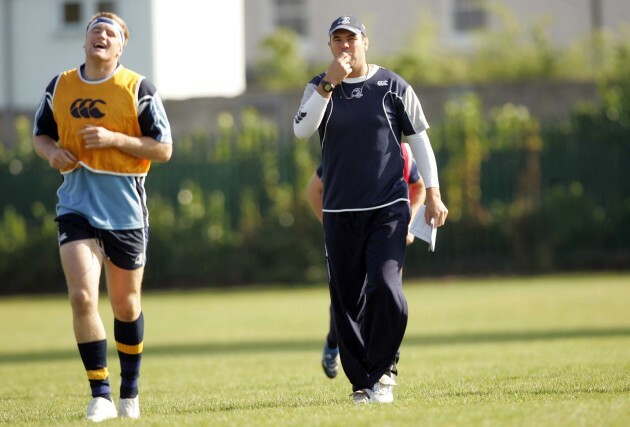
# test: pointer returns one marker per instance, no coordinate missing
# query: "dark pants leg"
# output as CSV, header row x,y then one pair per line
x,y
331,338
366,251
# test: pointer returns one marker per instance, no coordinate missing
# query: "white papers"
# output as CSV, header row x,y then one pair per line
x,y
422,230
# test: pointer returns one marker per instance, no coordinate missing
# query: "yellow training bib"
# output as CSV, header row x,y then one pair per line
x,y
111,104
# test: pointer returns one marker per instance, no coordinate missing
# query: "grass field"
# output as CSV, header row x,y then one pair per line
x,y
544,351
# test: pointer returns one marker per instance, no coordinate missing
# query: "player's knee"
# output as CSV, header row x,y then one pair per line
x,y
82,301
126,309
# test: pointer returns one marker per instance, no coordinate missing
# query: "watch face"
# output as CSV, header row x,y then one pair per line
x,y
328,87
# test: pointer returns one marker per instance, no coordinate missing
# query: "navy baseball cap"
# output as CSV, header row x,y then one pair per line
x,y
350,23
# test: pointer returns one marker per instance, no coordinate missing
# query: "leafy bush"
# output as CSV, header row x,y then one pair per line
x,y
229,207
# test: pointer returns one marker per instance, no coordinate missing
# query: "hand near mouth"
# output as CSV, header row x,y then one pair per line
x,y
339,68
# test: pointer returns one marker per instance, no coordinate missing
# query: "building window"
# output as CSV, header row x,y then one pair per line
x,y
291,14
469,15
72,13
106,6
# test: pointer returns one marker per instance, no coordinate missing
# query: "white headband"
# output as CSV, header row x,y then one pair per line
x,y
111,22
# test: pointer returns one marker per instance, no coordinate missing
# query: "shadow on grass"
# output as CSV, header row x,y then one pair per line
x,y
315,345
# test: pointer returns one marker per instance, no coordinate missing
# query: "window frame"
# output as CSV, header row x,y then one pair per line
x,y
469,15
291,14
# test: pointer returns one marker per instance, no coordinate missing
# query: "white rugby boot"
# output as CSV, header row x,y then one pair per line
x,y
383,390
129,408
100,409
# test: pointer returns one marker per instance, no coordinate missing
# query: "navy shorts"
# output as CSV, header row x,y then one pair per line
x,y
126,249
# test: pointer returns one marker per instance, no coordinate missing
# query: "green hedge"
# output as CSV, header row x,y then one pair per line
x,y
229,208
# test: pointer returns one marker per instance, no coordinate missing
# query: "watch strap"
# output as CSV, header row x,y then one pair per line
x,y
327,86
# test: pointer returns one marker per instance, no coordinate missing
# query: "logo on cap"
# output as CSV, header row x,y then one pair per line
x,y
350,23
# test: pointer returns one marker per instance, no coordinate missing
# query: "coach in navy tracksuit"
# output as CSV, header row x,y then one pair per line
x,y
361,112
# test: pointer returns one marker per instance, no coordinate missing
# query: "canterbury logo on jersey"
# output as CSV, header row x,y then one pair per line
x,y
87,108
382,83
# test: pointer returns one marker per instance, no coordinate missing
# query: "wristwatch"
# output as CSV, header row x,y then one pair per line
x,y
327,86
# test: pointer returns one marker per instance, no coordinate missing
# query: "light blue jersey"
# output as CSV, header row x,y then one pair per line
x,y
109,202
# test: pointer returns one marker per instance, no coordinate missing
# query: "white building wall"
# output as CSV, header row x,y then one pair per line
x,y
564,21
199,48
42,47
390,24
616,14
188,48
5,39
570,21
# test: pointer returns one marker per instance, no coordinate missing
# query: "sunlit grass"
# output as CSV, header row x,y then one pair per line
x,y
551,350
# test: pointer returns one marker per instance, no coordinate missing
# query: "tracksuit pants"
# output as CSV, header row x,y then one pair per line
x,y
365,253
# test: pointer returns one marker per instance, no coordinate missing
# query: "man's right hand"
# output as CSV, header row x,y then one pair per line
x,y
339,68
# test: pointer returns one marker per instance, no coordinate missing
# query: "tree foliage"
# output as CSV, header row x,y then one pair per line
x,y
283,65
508,52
